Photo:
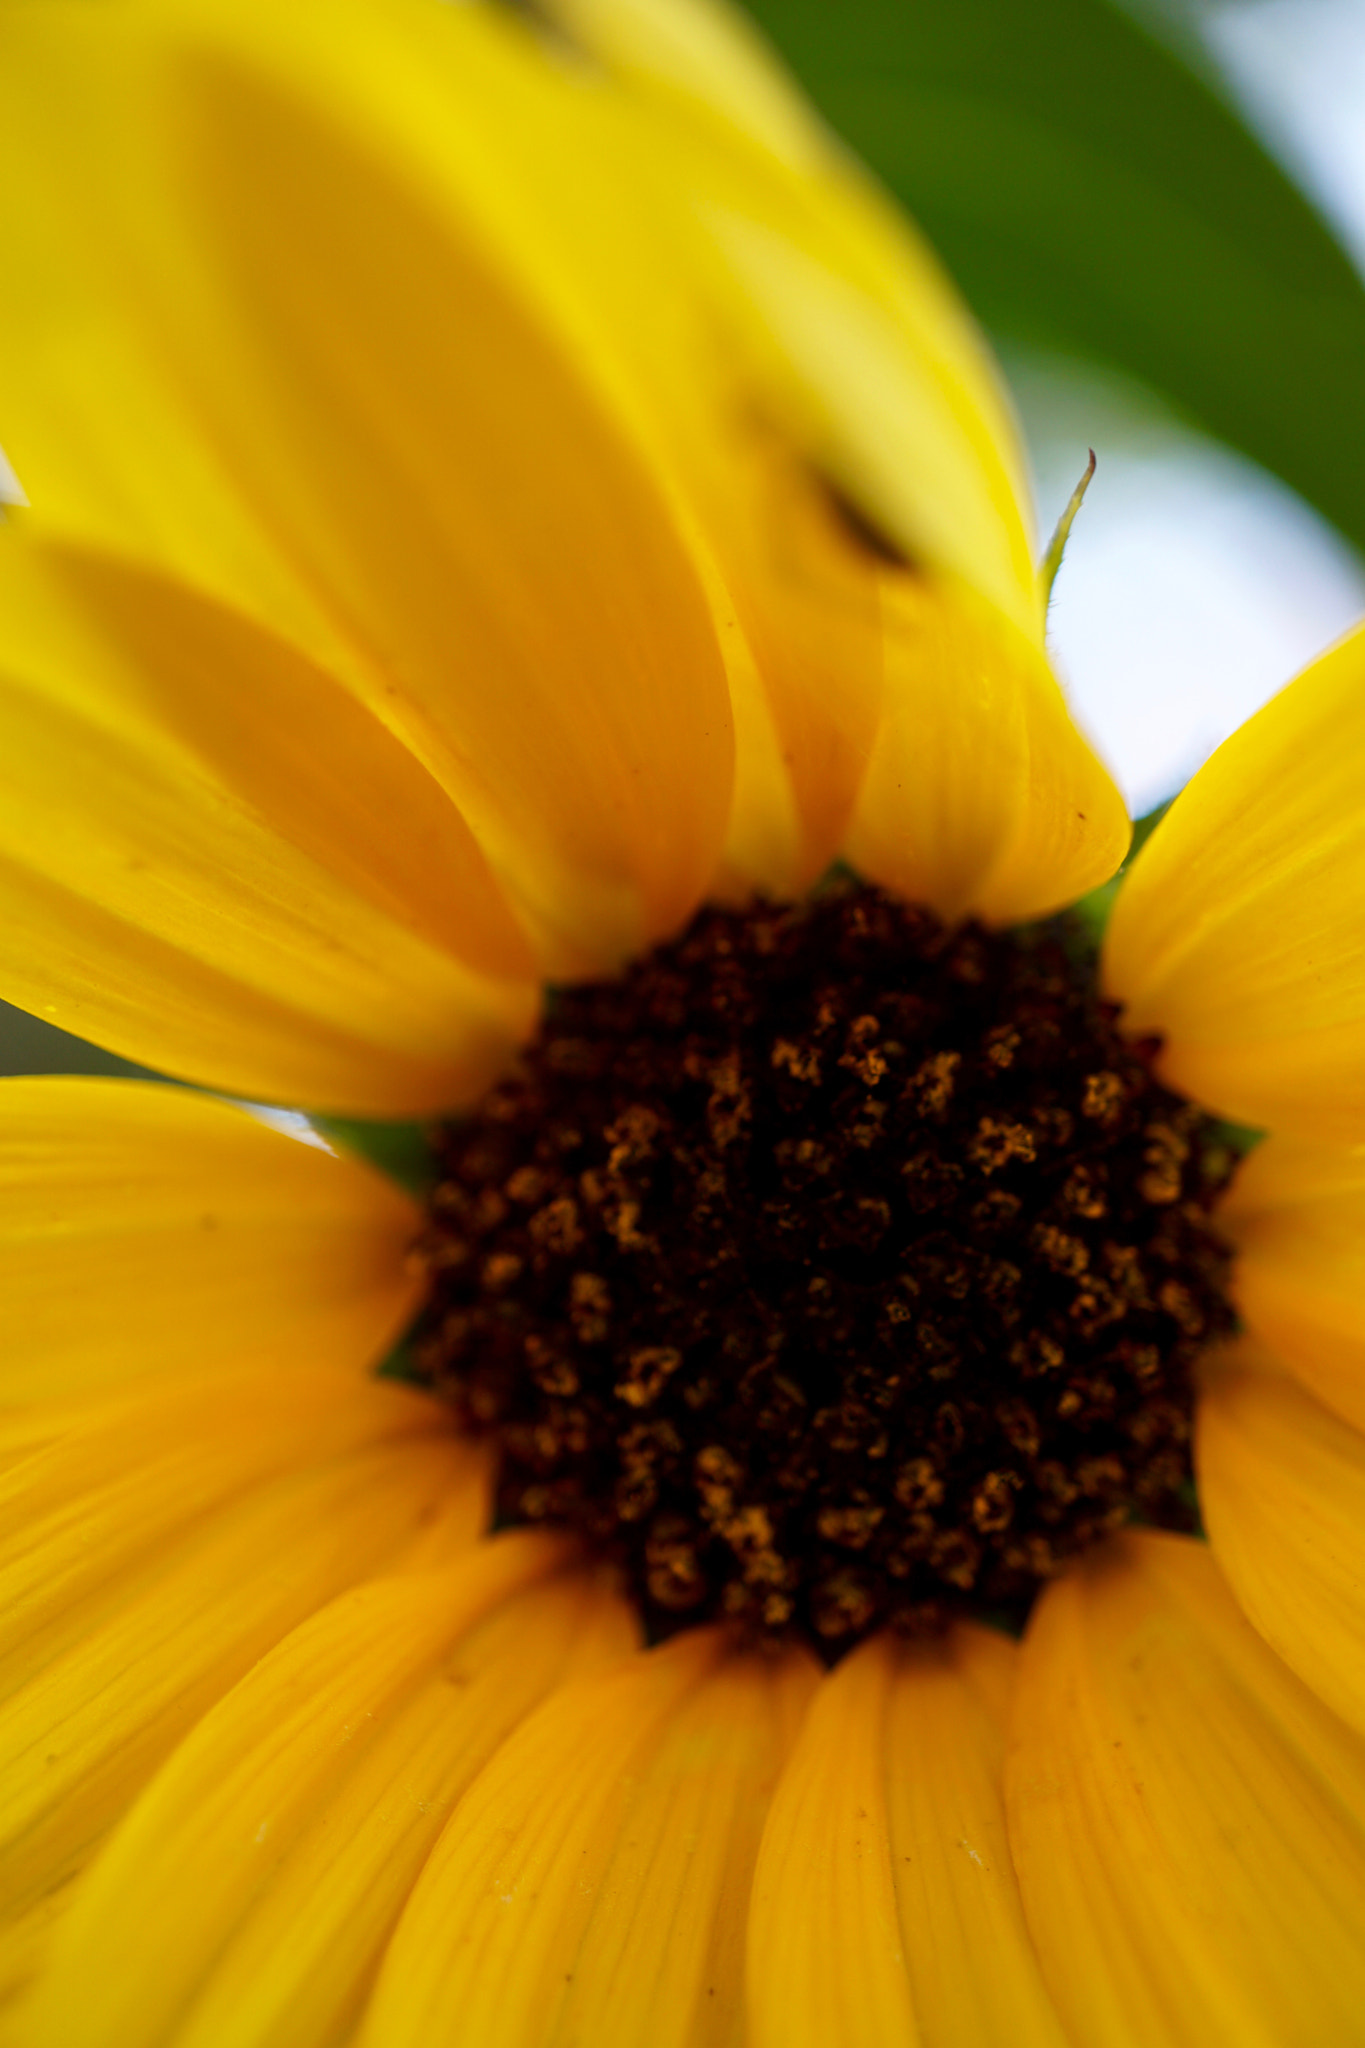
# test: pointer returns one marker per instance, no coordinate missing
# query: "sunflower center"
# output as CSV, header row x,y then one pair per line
x,y
831,1267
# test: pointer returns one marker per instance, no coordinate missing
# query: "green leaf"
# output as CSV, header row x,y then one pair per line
x,y
1094,197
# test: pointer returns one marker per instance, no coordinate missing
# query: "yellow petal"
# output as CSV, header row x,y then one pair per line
x,y
275,1850
470,519
258,888
162,1545
884,1882
691,284
124,1475
593,1884
804,658
793,585
1296,1213
1282,1488
26,1941
855,334
141,1225
1238,936
702,272
850,346
981,798
1187,1819
100,421
700,57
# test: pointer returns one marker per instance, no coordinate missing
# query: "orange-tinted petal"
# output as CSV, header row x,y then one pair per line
x,y
884,1879
163,1543
1296,1213
1238,935
26,1940
1187,1818
1282,1487
593,1884
275,1850
146,1229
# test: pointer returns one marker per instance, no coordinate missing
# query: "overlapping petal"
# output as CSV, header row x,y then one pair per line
x,y
885,1877
884,570
451,509
1282,1488
552,465
146,1229
276,1849
1296,1214
163,1541
981,798
867,356
213,860
593,1884
1238,935
1187,1818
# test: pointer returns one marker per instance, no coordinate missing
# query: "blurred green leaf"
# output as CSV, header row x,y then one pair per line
x,y
1092,196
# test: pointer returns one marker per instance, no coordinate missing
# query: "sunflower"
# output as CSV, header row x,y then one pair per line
x,y
510,507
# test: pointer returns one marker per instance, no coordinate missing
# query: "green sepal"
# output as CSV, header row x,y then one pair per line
x,y
1056,547
1238,1138
401,1364
401,1151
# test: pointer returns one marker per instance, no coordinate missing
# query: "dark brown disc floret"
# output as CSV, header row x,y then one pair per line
x,y
831,1267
